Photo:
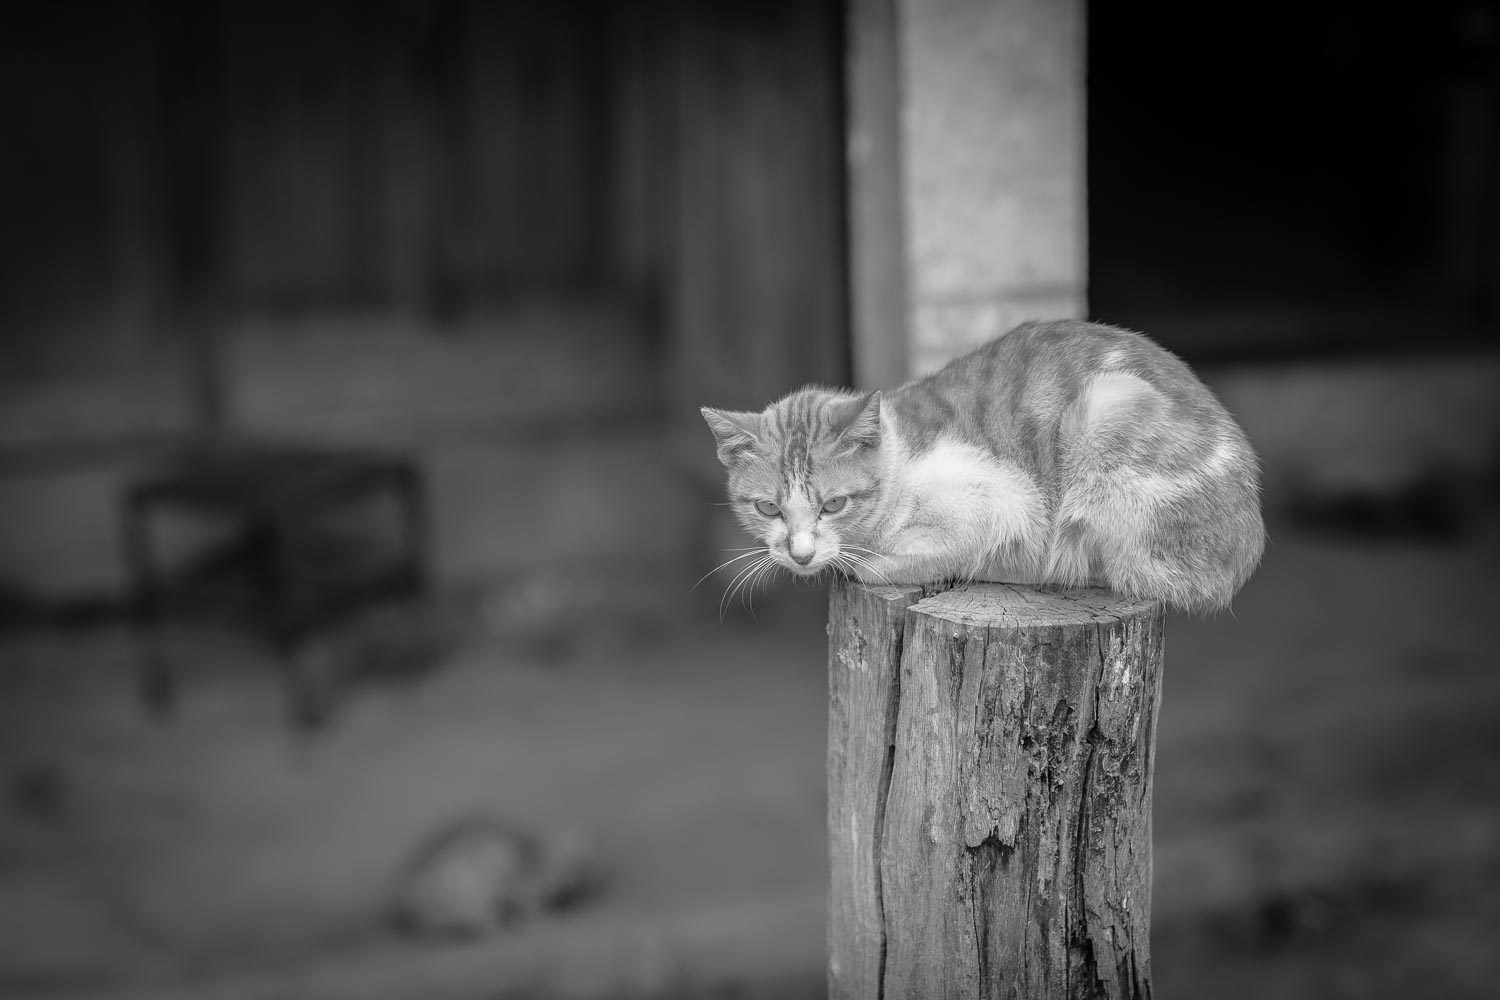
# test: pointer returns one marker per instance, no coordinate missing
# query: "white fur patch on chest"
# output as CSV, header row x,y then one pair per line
x,y
963,489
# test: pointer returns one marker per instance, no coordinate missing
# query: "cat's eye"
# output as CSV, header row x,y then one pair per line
x,y
768,508
835,505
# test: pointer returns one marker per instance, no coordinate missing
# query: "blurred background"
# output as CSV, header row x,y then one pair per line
x,y
352,481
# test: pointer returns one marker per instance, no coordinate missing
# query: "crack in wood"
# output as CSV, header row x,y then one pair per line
x,y
988,861
883,792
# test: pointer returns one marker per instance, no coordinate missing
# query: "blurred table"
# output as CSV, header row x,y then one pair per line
x,y
297,543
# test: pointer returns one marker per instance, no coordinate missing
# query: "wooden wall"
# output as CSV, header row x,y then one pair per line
x,y
425,153
179,158
437,223
183,165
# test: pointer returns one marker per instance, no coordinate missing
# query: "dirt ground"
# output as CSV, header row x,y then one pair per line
x,y
1327,807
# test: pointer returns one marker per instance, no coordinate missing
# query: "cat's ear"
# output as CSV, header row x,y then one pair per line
x,y
863,428
736,433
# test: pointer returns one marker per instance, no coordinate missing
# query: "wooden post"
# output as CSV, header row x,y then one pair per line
x,y
990,760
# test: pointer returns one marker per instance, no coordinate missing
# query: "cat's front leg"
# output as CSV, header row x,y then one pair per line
x,y
919,556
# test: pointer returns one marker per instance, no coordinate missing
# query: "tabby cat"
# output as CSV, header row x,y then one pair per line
x,y
1063,452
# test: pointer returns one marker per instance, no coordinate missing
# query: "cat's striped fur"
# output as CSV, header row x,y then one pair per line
x,y
1063,452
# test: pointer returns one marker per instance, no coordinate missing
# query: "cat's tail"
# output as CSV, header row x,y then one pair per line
x,y
1195,564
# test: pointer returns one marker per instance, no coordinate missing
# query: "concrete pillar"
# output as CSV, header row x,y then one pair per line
x,y
966,175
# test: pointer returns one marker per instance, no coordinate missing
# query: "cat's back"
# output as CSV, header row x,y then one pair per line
x,y
1009,394
1024,381
1057,358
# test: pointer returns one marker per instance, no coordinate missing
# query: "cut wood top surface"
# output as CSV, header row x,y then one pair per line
x,y
1015,605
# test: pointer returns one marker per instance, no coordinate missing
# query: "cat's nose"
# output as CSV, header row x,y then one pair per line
x,y
800,547
802,559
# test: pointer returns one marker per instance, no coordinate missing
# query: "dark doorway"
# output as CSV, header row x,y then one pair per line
x,y
1298,178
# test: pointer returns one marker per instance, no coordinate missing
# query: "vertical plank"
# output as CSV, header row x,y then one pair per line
x,y
193,87
642,180
757,278
409,156
138,275
877,230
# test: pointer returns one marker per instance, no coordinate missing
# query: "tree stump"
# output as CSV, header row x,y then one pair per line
x,y
990,760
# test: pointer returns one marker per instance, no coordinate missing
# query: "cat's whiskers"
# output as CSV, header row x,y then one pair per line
x,y
746,554
741,574
747,597
859,557
847,547
849,562
845,565
745,577
747,588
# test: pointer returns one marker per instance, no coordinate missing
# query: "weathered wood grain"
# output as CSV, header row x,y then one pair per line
x,y
990,767
864,647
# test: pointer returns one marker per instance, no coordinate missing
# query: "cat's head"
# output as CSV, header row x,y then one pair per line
x,y
804,475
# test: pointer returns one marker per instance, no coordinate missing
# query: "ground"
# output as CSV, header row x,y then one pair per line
x,y
1325,805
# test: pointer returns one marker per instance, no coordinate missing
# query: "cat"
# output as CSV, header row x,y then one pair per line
x,y
1064,452
480,874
